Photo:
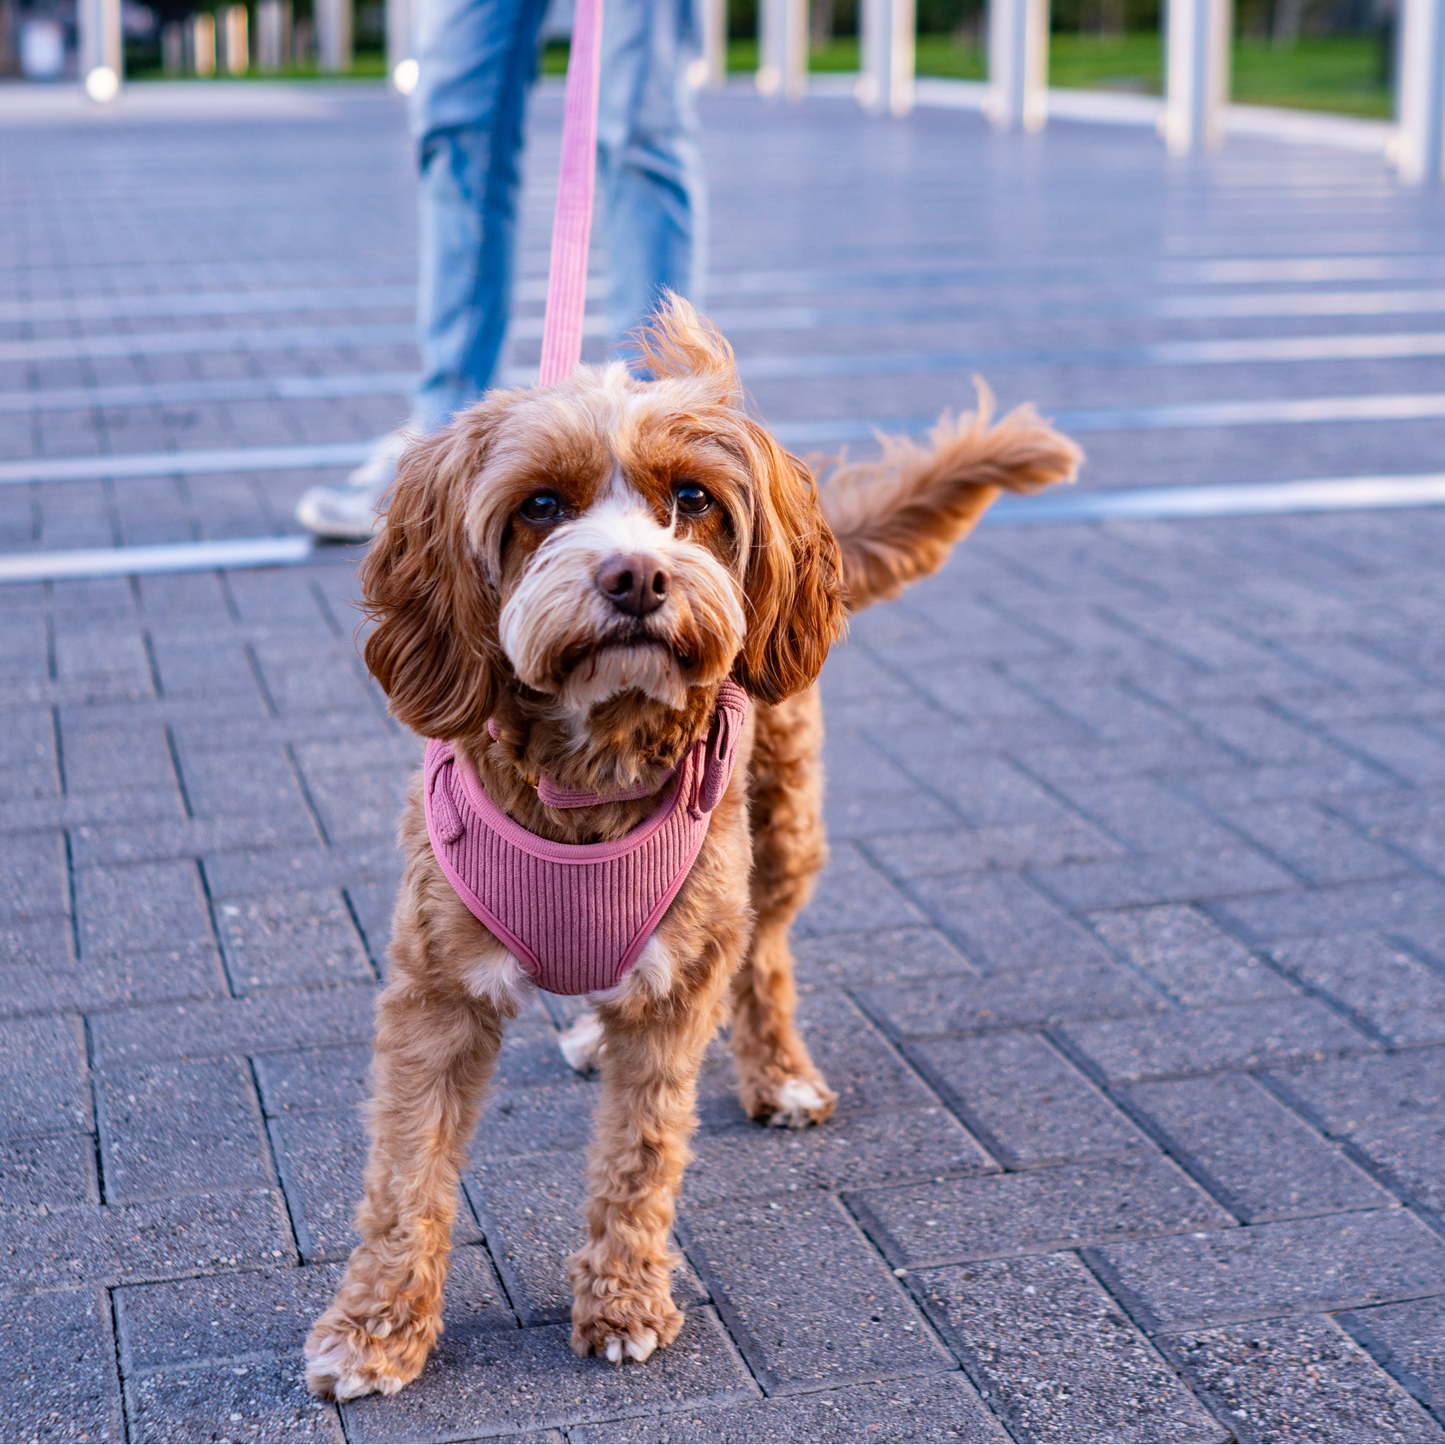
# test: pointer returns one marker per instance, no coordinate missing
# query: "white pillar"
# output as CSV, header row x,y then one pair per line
x,y
273,34
886,84
1421,70
201,29
102,49
235,39
1196,73
401,44
333,35
714,18
783,48
1018,63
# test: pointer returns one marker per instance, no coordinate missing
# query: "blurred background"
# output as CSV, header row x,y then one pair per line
x,y
1331,55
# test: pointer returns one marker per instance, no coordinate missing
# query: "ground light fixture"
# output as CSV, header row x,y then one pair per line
x,y
102,85
404,75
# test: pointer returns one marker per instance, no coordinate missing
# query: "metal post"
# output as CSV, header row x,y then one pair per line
x,y
714,16
1421,71
401,63
1018,63
102,50
783,48
1196,84
333,35
886,84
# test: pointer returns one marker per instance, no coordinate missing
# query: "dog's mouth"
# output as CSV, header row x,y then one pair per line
x,y
624,639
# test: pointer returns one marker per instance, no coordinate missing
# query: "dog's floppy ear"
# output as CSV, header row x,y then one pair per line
x,y
433,649
793,577
679,342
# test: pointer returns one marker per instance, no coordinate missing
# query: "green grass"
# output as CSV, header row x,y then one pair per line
x,y
1338,73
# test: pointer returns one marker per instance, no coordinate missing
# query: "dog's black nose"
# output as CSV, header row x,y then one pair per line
x,y
635,585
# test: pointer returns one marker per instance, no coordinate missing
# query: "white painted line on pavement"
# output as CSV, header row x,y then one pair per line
x,y
184,464
139,561
230,388
1162,504
309,456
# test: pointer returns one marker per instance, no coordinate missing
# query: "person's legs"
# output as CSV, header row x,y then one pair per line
x,y
649,165
477,61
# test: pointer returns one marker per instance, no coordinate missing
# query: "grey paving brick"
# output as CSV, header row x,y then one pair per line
x,y
1298,1266
1296,1379
103,760
157,1239
916,854
28,765
34,878
43,1077
482,1383
371,904
852,894
1316,846
142,908
1183,951
934,1407
257,1400
1024,1100
849,1321
533,1212
1408,1155
269,869
180,1128
959,1005
1167,878
1149,817
59,1368
1256,1157
1003,924
536,1120
1391,905
1034,1211
1342,1095
49,1172
750,1161
222,1316
290,940
1243,1037
356,806
1409,1341
1409,752
1055,1357
321,1157
848,960
301,1081
1393,995
169,1031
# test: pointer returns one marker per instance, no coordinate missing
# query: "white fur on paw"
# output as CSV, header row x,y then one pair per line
x,y
330,1366
796,1098
582,1042
636,1346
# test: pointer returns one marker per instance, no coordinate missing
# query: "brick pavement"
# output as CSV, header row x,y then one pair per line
x,y
1130,964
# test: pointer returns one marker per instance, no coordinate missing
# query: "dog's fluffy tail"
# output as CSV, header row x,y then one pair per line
x,y
898,518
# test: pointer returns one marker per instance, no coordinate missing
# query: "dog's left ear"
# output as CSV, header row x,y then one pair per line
x,y
793,578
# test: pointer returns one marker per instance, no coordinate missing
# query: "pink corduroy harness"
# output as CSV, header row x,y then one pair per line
x,y
577,915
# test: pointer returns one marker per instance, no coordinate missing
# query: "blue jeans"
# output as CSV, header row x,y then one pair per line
x,y
478,59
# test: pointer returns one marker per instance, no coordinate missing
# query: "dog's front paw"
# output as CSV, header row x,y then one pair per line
x,y
620,1319
346,1359
791,1102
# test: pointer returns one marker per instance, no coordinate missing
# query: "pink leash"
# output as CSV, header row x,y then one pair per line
x,y
572,228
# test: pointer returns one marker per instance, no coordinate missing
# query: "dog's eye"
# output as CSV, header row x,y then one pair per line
x,y
691,498
542,507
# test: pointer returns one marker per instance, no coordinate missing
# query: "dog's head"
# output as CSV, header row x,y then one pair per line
x,y
600,537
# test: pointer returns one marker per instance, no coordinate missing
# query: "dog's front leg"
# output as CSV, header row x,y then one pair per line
x,y
435,1052
652,1050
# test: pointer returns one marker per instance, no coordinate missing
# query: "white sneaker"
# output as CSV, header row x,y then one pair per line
x,y
348,513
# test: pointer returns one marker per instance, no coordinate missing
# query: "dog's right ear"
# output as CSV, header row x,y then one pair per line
x,y
434,647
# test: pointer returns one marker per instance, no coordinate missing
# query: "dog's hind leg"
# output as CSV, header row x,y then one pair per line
x,y
434,1057
778,1082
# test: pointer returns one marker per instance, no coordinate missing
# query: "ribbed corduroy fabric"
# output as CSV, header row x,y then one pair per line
x,y
577,915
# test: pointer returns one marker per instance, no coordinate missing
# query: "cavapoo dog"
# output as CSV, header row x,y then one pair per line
x,y
606,603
